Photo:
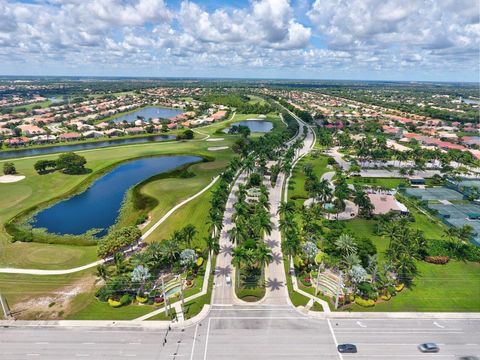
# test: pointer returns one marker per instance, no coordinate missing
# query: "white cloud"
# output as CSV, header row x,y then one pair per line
x,y
353,35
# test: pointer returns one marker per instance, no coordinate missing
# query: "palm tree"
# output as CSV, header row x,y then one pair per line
x,y
233,235
350,260
291,245
239,257
346,244
263,222
287,224
286,209
189,232
118,260
263,255
213,246
102,272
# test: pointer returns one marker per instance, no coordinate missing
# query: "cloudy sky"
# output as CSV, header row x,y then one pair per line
x,y
315,39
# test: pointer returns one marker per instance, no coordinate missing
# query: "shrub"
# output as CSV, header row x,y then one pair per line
x,y
386,297
125,299
441,260
114,303
391,290
141,300
200,261
118,239
9,168
141,219
102,294
363,302
399,287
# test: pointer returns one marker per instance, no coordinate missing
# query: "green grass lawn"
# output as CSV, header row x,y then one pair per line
x,y
19,287
97,310
297,181
390,183
451,287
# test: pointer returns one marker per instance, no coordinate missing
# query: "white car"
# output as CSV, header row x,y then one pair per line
x,y
228,280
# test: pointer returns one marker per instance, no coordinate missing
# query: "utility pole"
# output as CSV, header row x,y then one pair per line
x,y
181,294
6,309
165,300
318,278
339,288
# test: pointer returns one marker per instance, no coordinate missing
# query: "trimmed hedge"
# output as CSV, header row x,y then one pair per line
x,y
114,303
399,287
363,302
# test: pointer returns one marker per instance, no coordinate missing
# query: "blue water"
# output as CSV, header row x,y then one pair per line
x,y
85,146
149,112
258,126
98,207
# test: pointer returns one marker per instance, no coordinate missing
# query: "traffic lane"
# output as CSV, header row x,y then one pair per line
x,y
470,325
52,343
264,338
401,337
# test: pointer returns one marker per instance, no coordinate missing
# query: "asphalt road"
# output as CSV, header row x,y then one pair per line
x,y
250,332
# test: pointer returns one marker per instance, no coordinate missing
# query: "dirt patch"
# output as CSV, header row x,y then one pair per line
x,y
56,305
6,179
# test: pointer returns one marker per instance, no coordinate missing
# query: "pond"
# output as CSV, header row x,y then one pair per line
x,y
258,126
147,113
83,146
98,207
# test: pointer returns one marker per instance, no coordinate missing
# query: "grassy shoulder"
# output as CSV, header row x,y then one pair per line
x,y
443,288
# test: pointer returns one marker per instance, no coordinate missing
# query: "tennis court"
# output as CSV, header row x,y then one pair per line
x,y
436,193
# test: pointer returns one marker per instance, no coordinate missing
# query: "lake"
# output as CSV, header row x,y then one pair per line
x,y
98,207
258,126
82,146
147,113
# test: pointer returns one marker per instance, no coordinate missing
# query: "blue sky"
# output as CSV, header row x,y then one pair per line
x,y
435,40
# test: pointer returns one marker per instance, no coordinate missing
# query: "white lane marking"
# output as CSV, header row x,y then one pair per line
x,y
82,355
258,317
33,354
130,355
194,339
206,341
88,343
361,325
340,356
416,356
438,325
135,343
42,343
399,332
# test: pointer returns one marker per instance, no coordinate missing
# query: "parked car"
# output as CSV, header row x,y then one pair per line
x,y
469,358
347,348
428,348
228,280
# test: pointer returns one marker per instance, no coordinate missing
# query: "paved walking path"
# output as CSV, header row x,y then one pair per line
x,y
133,248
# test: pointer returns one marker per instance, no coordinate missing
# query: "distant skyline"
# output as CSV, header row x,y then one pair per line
x,y
397,40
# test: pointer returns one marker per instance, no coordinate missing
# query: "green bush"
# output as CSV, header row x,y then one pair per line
x,y
126,299
363,302
117,240
114,303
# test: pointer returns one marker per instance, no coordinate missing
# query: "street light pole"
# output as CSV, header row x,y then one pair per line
x,y
165,300
340,286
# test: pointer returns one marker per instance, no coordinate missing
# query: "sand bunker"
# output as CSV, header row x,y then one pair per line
x,y
11,178
215,139
217,148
